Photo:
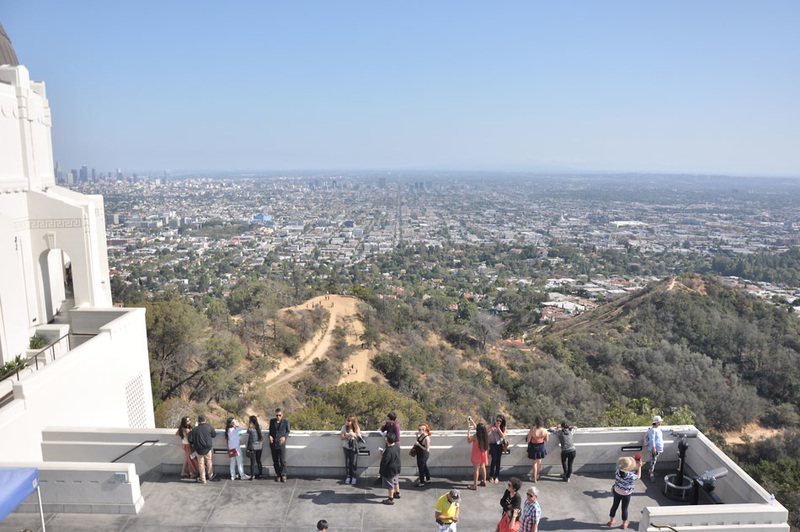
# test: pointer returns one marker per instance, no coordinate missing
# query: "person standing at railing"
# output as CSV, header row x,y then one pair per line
x,y
350,435
480,451
255,444
537,438
390,424
201,440
278,432
565,434
655,444
232,431
497,437
188,462
421,451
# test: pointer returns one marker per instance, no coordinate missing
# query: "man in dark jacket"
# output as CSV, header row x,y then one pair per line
x,y
390,468
278,432
201,439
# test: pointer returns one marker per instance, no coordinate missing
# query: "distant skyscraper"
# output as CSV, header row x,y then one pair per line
x,y
94,174
119,173
84,174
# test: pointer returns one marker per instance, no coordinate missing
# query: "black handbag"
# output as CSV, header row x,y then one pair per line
x,y
362,446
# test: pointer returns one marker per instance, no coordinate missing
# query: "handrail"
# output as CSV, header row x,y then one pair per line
x,y
52,347
131,450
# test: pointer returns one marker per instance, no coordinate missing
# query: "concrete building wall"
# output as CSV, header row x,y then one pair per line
x,y
84,488
104,382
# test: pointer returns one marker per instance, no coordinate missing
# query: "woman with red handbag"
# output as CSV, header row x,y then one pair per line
x,y
232,430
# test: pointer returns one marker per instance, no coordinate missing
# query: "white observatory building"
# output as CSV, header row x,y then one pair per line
x,y
90,365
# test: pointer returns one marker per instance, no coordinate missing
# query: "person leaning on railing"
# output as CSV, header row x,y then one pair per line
x,y
201,439
188,462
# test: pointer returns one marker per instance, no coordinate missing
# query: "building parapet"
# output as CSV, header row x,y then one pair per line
x,y
84,487
318,454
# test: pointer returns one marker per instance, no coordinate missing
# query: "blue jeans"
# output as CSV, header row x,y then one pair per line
x,y
625,500
236,461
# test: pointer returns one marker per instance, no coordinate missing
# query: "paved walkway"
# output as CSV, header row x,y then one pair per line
x,y
266,506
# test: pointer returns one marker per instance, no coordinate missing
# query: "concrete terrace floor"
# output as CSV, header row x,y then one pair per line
x,y
222,505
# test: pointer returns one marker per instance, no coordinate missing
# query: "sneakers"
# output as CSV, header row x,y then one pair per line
x,y
245,477
347,480
652,477
610,523
388,501
233,477
625,524
397,495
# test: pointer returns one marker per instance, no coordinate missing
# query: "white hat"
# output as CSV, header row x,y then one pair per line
x,y
657,419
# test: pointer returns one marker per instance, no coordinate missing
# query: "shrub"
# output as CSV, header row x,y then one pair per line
x,y
37,342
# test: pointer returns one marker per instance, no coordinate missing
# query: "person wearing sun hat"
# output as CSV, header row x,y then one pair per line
x,y
655,444
624,478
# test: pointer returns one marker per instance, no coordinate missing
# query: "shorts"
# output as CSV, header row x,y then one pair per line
x,y
391,483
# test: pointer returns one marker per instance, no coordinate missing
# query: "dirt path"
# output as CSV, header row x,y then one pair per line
x,y
753,431
318,346
343,313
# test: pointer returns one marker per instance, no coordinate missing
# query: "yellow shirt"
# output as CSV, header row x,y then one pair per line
x,y
448,509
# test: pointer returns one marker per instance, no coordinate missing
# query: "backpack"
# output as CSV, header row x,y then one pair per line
x,y
647,442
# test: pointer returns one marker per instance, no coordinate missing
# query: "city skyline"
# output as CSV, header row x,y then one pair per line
x,y
683,88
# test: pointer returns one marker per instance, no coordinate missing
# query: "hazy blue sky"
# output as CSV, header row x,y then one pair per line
x,y
678,86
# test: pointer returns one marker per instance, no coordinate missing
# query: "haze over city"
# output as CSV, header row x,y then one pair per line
x,y
683,87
